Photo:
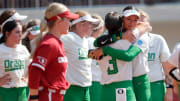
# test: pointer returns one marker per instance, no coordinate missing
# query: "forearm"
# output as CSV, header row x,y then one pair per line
x,y
34,81
1,83
167,67
5,80
124,55
33,92
171,70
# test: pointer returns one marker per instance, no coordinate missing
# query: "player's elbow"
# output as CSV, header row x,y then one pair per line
x,y
129,57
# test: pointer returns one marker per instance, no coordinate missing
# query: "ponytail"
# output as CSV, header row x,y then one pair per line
x,y
43,30
3,39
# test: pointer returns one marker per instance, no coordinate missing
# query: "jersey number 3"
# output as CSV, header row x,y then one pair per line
x,y
115,68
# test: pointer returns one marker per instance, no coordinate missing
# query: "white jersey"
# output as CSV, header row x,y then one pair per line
x,y
158,53
174,58
140,63
13,61
79,67
114,70
96,71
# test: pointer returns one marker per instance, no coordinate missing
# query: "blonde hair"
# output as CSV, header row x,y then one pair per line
x,y
55,9
52,10
82,13
145,14
98,30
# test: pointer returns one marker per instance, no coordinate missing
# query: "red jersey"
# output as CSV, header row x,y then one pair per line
x,y
51,59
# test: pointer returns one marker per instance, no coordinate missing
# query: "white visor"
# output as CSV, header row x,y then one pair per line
x,y
16,16
85,18
34,30
100,25
127,13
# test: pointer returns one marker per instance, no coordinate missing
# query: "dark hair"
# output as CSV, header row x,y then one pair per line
x,y
130,8
34,22
113,23
26,40
8,27
6,14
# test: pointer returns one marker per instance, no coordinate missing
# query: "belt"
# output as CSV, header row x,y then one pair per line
x,y
61,91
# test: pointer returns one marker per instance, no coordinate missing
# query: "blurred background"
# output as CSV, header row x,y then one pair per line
x,y
164,14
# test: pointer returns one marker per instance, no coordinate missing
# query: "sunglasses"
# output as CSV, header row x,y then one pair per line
x,y
34,28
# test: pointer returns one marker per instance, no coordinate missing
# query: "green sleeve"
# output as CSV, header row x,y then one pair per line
x,y
95,43
124,55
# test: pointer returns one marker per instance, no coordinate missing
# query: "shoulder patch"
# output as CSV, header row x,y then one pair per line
x,y
42,60
140,42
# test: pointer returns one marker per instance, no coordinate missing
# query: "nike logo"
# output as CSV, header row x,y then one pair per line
x,y
104,42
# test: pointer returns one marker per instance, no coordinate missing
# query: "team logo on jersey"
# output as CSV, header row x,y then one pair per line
x,y
11,65
83,53
139,42
151,56
120,91
62,59
42,60
121,94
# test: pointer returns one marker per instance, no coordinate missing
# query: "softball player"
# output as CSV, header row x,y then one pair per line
x,y
32,30
10,14
157,56
140,64
48,68
95,89
113,81
79,73
13,61
140,67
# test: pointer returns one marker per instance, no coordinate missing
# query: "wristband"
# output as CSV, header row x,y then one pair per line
x,y
174,73
169,86
33,97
